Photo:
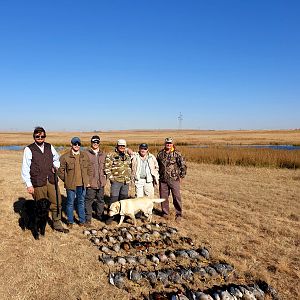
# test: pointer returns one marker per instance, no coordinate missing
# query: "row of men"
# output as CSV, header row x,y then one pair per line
x,y
85,173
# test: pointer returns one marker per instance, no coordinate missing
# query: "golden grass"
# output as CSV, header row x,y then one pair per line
x,y
247,216
156,137
219,150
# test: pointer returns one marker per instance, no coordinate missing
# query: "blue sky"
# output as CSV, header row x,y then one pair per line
x,y
121,64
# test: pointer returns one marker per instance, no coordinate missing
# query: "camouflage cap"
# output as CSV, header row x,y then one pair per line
x,y
168,140
121,142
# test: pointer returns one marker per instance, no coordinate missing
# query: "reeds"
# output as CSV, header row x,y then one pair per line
x,y
241,156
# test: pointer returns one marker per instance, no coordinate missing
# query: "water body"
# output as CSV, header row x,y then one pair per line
x,y
18,148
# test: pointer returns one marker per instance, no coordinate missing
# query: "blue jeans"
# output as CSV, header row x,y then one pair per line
x,y
79,193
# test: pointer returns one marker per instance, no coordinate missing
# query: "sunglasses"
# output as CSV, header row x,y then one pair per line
x,y
77,144
39,136
169,143
96,142
143,149
121,146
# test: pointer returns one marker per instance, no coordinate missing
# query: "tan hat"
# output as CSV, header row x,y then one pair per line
x,y
121,142
169,140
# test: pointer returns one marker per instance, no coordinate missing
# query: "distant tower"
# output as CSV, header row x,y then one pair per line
x,y
180,119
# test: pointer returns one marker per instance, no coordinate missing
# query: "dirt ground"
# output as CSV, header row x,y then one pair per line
x,y
249,217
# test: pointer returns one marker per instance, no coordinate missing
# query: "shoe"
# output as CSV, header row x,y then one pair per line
x,y
178,218
109,221
81,224
70,225
88,224
165,216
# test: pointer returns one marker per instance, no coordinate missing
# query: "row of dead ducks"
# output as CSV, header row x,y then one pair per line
x,y
255,291
145,233
146,246
156,258
167,276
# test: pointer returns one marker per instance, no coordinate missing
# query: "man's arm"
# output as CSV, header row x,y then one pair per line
x,y
108,165
182,165
62,167
25,172
56,162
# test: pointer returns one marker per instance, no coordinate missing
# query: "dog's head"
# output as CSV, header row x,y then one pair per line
x,y
43,206
114,209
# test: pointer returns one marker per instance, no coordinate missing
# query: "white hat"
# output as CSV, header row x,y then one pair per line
x,y
121,142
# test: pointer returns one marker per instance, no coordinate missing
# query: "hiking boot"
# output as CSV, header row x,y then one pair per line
x,y
178,219
109,221
88,224
57,225
165,216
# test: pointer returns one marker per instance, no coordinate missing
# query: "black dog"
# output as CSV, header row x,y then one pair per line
x,y
34,216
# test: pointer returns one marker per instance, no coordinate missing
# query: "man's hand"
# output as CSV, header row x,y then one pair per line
x,y
129,151
30,190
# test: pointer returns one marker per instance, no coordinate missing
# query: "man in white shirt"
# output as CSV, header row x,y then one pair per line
x,y
40,160
144,172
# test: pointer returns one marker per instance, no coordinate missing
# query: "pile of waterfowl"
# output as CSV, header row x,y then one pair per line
x,y
169,266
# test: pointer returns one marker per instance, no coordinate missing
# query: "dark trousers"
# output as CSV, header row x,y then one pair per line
x,y
92,195
164,192
118,191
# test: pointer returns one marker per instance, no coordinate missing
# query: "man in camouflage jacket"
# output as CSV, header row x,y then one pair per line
x,y
118,171
172,168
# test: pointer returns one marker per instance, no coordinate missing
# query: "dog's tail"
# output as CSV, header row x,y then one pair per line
x,y
158,200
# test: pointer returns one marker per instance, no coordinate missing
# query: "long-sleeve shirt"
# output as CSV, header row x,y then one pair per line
x,y
27,157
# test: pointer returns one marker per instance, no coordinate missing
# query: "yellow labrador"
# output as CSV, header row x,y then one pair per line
x,y
129,207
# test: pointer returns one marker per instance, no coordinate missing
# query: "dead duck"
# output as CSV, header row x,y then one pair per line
x,y
105,249
193,254
107,260
203,252
116,247
131,259
121,260
150,276
134,275
117,279
162,277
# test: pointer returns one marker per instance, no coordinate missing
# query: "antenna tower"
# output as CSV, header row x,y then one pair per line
x,y
180,119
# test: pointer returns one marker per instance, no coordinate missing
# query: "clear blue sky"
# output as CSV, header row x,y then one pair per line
x,y
136,64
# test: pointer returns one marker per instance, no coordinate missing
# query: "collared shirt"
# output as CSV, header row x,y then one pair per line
x,y
143,166
27,157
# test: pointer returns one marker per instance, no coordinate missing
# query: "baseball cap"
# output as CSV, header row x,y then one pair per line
x,y
121,142
168,140
75,140
95,138
143,145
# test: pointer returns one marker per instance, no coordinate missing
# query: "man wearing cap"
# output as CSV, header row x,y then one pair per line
x,y
172,169
40,160
118,171
97,181
144,172
75,171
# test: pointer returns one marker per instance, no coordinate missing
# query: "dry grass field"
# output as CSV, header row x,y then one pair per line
x,y
156,137
248,216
